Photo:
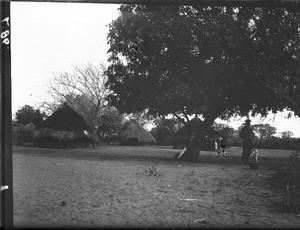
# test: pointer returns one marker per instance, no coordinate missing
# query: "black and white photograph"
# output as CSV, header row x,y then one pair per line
x,y
139,114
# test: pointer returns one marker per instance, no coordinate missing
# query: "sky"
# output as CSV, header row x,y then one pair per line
x,y
51,38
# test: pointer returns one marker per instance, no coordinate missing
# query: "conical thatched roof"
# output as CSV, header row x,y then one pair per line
x,y
65,119
135,131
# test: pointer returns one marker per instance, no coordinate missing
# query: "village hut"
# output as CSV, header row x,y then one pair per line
x,y
65,128
134,134
27,133
183,135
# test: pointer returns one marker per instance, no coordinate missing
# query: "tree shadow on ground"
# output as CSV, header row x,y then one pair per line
x,y
286,181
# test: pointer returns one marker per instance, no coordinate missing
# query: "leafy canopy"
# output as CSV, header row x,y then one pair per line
x,y
210,61
286,134
109,122
28,114
264,131
165,130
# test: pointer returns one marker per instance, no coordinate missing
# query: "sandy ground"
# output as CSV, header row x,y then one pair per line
x,y
143,187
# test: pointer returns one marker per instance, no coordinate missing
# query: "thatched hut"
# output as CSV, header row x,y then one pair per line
x,y
134,134
65,128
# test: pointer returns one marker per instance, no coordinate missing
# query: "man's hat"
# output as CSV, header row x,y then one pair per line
x,y
248,121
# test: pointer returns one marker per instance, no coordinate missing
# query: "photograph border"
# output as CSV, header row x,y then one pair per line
x,y
6,163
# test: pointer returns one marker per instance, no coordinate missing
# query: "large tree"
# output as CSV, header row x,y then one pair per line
x,y
206,61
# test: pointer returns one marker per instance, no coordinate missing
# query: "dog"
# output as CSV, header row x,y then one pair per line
x,y
255,153
255,164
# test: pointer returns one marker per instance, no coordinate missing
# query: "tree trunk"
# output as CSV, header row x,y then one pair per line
x,y
194,147
196,140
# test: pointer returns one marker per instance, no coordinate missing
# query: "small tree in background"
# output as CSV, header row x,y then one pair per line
x,y
28,114
236,140
286,134
23,116
287,141
165,130
110,122
226,132
16,133
264,131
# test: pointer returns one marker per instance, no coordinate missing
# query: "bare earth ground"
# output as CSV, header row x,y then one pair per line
x,y
143,187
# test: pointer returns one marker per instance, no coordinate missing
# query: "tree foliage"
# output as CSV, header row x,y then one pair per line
x,y
264,131
226,132
212,61
28,114
110,122
207,61
142,118
286,134
165,130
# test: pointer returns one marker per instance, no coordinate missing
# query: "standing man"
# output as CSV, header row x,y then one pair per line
x,y
248,139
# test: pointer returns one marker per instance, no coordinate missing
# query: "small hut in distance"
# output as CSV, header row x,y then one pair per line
x,y
65,128
134,134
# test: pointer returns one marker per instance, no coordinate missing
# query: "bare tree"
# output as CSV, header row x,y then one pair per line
x,y
83,89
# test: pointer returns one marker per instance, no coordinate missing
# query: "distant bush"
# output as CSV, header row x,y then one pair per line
x,y
277,143
16,133
163,135
165,130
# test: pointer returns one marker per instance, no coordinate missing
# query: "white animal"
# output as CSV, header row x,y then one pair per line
x,y
216,146
255,154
